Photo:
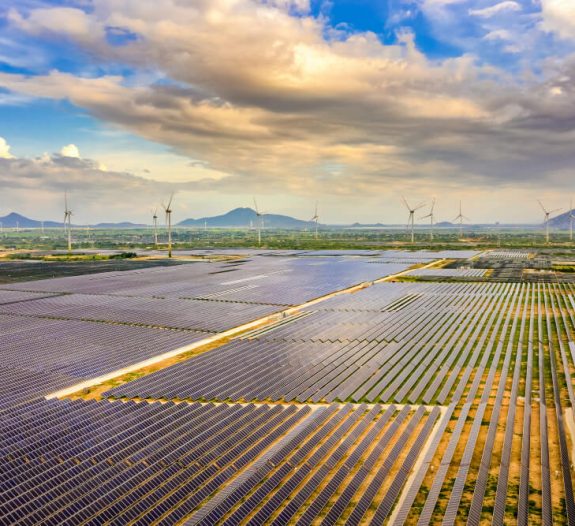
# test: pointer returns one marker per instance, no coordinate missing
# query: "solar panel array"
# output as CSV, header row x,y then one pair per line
x,y
507,254
42,355
268,280
448,272
58,332
79,462
408,343
469,347
433,402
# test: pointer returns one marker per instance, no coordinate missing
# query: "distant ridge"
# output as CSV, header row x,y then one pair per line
x,y
14,220
123,224
245,217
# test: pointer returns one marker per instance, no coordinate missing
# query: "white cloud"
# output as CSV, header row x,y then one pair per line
x,y
498,34
502,7
5,149
558,16
70,150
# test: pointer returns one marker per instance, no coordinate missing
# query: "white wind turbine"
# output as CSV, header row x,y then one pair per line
x,y
68,221
168,210
411,219
260,222
431,217
571,218
315,219
460,218
547,216
155,219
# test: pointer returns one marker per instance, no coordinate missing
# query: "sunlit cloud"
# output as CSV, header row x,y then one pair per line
x,y
5,149
70,150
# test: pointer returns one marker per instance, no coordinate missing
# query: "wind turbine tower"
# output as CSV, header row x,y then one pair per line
x,y
411,219
155,219
68,222
431,217
315,219
168,210
260,222
571,218
460,218
547,216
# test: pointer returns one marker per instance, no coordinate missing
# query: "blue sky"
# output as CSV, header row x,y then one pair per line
x,y
350,102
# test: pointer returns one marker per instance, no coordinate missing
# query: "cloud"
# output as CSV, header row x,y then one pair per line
x,y
499,34
93,189
558,16
494,10
5,149
267,96
71,150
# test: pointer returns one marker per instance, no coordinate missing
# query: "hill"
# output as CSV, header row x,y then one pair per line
x,y
245,217
14,220
561,221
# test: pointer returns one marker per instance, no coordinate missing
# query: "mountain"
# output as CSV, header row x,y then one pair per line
x,y
362,225
14,220
244,217
562,221
124,224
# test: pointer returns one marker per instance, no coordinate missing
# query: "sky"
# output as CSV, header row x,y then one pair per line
x,y
352,103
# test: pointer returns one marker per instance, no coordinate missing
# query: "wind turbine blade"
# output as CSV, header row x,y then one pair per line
x,y
171,199
542,207
553,211
256,207
405,203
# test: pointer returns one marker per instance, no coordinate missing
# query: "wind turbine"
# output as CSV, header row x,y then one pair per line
x,y
155,219
315,219
460,217
411,219
547,215
168,211
571,217
68,221
260,224
431,218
